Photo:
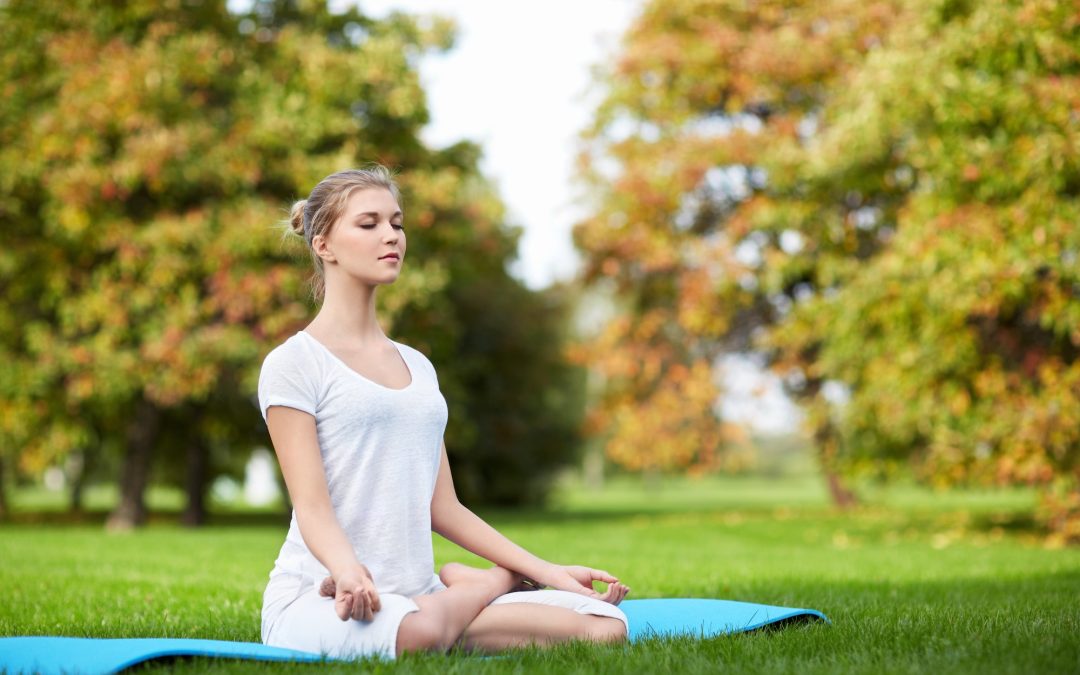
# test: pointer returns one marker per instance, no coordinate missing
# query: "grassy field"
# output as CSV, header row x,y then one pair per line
x,y
912,581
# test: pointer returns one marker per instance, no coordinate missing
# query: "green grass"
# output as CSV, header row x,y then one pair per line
x,y
913,581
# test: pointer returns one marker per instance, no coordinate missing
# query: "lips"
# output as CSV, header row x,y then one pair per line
x,y
395,256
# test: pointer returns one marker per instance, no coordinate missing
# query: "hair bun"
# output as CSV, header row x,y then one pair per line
x,y
296,217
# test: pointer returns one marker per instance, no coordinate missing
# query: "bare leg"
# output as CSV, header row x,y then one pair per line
x,y
501,627
445,614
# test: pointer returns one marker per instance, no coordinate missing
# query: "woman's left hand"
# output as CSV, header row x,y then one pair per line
x,y
578,579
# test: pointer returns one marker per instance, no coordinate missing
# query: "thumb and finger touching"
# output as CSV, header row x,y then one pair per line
x,y
353,598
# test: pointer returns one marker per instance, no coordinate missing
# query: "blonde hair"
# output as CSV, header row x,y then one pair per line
x,y
325,205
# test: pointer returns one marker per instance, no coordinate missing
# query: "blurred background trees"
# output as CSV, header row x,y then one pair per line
x,y
147,151
881,198
878,199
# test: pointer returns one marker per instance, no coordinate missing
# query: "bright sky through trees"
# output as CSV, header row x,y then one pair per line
x,y
518,82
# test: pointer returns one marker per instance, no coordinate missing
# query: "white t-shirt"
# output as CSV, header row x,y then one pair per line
x,y
380,449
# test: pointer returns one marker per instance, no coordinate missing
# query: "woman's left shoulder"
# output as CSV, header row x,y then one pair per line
x,y
417,356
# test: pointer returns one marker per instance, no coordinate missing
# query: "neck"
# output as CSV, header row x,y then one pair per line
x,y
348,312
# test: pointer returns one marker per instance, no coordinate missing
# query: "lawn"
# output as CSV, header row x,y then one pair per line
x,y
913,581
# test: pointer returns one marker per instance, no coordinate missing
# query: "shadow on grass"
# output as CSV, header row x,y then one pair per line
x,y
1012,522
99,517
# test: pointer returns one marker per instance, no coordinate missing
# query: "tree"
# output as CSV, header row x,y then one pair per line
x,y
698,98
877,196
147,152
960,341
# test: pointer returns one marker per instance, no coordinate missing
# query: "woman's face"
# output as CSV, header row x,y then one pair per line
x,y
368,241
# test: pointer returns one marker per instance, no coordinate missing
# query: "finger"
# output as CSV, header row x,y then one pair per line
x,y
601,575
610,593
376,603
343,605
365,612
623,590
360,605
614,593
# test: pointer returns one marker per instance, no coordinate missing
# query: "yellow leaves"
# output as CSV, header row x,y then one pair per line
x,y
73,219
153,154
696,311
165,347
958,340
674,427
1059,508
960,403
56,442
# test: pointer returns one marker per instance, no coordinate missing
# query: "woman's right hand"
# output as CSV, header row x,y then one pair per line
x,y
354,594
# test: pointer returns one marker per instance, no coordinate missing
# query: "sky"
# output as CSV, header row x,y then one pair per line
x,y
518,82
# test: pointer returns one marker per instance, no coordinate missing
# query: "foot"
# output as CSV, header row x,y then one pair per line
x,y
497,579
328,588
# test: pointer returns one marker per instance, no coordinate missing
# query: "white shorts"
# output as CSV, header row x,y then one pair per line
x,y
295,616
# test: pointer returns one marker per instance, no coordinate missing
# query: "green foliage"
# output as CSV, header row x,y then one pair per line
x,y
882,198
147,151
960,340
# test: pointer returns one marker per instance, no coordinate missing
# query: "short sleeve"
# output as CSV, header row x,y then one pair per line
x,y
425,363
288,380
430,368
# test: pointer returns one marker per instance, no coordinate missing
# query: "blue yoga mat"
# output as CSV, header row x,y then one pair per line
x,y
668,617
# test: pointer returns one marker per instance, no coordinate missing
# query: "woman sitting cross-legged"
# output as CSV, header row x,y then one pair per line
x,y
357,420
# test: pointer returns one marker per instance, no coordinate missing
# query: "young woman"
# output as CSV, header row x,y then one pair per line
x,y
356,420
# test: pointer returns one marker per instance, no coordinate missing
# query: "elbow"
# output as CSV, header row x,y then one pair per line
x,y
443,513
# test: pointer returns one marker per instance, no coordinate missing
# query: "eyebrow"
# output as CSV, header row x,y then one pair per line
x,y
375,214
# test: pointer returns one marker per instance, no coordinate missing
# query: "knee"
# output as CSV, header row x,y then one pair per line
x,y
420,633
605,629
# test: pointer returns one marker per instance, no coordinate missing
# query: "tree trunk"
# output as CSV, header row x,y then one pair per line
x,y
141,437
77,478
841,495
198,470
827,443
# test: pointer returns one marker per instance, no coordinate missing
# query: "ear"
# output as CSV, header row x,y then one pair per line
x,y
322,249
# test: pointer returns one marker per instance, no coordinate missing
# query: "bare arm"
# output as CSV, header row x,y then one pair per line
x,y
451,519
297,446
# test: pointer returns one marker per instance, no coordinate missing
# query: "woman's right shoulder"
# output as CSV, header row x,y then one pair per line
x,y
294,351
291,375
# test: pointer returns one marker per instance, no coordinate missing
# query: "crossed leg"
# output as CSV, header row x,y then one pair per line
x,y
444,615
500,627
462,614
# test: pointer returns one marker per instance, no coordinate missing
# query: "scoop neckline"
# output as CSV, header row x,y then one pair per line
x,y
335,357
